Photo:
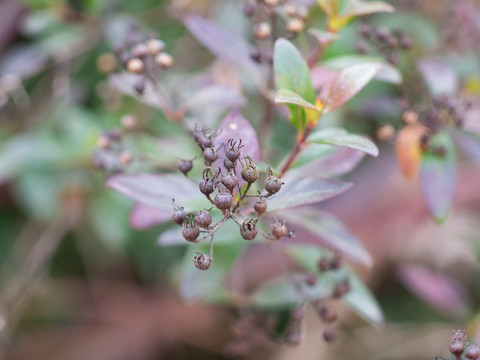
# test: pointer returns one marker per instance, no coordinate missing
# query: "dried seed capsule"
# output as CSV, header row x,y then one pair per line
x,y
229,165
272,183
155,46
223,200
129,122
230,181
139,51
260,206
457,347
178,215
327,314
206,185
295,25
190,231
279,229
204,141
135,65
271,2
209,155
202,261
164,60
341,288
262,30
248,8
248,229
472,352
185,166
232,151
249,171
290,8
203,219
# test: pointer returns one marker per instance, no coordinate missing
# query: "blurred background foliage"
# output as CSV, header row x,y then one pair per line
x,y
78,282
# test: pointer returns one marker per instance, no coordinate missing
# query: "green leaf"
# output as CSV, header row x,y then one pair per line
x,y
285,96
438,177
292,73
349,140
348,83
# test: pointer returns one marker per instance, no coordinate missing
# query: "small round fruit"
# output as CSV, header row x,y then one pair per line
x,y
457,347
129,122
295,25
203,219
126,157
206,186
191,233
202,261
135,65
273,185
248,229
178,215
103,142
260,206
164,60
472,352
290,8
223,200
209,155
155,46
185,166
262,30
230,181
139,51
279,230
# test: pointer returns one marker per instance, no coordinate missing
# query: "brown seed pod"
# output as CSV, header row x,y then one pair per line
x,y
272,183
472,352
229,181
190,231
279,229
260,206
178,215
232,150
223,200
210,155
229,165
249,171
207,185
202,261
139,51
457,347
329,335
203,219
248,229
185,166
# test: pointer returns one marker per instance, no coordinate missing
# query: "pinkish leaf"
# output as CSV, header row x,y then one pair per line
x,y
439,76
144,216
156,190
348,83
471,121
225,45
214,94
236,127
438,290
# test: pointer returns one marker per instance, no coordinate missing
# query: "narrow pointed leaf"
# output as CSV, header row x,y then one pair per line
x,y
352,141
348,83
438,177
301,189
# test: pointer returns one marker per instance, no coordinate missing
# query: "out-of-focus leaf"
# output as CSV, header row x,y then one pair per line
x,y
438,290
330,232
438,177
116,29
214,94
322,36
144,216
208,285
224,45
23,61
349,140
156,190
292,73
326,160
387,72
348,83
408,150
359,8
301,189
285,96
439,76
359,298
471,121
469,143
236,127
125,83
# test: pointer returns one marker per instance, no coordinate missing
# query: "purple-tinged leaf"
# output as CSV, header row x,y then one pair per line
x,y
322,36
326,230
144,216
171,237
326,160
438,290
322,78
125,83
360,8
236,127
352,141
214,94
348,83
312,113
156,190
438,177
469,143
439,76
23,61
301,189
225,45
471,121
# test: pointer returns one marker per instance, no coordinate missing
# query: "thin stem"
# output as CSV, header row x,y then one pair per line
x,y
215,228
242,196
300,144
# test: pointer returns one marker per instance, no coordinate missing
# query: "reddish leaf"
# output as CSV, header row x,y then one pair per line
x,y
224,45
348,83
438,290
144,216
408,151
